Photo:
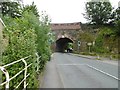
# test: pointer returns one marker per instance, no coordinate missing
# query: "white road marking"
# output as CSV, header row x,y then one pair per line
x,y
70,64
92,68
103,72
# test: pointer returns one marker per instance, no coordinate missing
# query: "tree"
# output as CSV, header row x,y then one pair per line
x,y
12,9
116,20
98,12
31,8
115,16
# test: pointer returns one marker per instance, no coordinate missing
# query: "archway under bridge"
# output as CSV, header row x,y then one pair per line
x,y
65,33
62,44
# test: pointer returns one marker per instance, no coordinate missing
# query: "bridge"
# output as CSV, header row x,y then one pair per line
x,y
65,33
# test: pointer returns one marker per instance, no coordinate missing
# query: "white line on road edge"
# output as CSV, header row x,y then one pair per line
x,y
103,72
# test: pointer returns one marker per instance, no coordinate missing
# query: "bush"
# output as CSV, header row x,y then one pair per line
x,y
26,36
103,40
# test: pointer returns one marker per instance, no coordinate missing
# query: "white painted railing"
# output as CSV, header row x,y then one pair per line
x,y
38,61
8,79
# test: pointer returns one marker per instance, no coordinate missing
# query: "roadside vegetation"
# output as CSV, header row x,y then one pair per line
x,y
26,33
102,31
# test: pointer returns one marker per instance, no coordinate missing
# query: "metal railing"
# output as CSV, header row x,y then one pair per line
x,y
8,79
38,61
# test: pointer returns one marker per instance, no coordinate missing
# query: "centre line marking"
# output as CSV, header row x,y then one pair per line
x,y
103,72
92,68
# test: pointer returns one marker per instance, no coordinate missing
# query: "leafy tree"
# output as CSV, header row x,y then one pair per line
x,y
116,20
115,16
31,8
10,8
98,12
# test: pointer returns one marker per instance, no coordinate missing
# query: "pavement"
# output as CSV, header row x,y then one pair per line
x,y
70,71
51,77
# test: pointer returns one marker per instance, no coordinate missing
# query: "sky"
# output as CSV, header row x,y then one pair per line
x,y
64,11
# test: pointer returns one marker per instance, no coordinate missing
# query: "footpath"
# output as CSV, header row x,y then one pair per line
x,y
102,59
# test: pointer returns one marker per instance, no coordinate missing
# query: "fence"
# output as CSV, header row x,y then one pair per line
x,y
8,79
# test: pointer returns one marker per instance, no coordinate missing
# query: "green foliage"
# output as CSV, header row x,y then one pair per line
x,y
70,45
103,40
101,15
116,15
43,46
106,40
98,12
31,8
27,35
12,9
21,44
117,31
105,31
86,37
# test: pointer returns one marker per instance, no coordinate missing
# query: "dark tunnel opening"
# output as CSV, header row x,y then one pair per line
x,y
61,44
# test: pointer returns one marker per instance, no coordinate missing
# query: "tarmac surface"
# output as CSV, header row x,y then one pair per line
x,y
79,71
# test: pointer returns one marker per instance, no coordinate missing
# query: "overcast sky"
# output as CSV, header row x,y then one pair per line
x,y
64,11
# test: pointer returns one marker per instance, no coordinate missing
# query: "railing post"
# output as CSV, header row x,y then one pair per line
x,y
6,75
25,73
37,61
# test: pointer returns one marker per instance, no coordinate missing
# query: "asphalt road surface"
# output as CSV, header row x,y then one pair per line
x,y
69,71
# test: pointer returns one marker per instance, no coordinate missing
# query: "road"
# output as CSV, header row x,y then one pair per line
x,y
69,71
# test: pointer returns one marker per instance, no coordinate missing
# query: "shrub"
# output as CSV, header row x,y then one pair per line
x,y
26,36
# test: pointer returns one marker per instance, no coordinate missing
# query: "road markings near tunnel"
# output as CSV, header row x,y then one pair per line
x,y
103,72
